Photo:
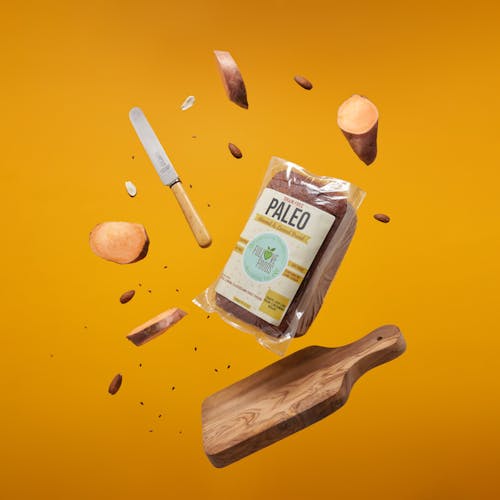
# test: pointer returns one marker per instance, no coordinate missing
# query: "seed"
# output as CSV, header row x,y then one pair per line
x,y
303,82
131,189
382,218
235,150
125,297
188,102
115,384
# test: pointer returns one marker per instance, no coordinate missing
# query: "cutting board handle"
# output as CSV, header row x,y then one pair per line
x,y
378,347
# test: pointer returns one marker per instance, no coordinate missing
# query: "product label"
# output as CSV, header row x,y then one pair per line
x,y
273,254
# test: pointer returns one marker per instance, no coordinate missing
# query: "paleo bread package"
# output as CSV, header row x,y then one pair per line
x,y
281,267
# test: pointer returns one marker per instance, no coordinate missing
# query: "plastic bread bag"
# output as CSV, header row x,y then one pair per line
x,y
286,257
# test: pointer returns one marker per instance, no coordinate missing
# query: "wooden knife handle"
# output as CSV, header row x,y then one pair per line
x,y
195,223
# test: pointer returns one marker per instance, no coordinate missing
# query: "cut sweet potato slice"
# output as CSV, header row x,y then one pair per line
x,y
156,326
358,119
231,78
120,242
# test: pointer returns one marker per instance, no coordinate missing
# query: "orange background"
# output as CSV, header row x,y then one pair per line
x,y
424,426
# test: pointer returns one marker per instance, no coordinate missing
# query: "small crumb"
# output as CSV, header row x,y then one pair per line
x,y
133,157
165,267
194,136
149,291
228,366
177,290
160,415
215,370
141,403
85,326
208,205
173,387
191,186
140,365
208,316
150,430
195,349
180,432
140,284
53,355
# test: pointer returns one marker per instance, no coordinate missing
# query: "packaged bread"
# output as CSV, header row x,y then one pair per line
x,y
286,257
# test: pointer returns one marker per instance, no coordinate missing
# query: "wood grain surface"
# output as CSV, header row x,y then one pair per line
x,y
290,394
199,230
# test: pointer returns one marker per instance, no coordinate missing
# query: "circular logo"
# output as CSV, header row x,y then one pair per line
x,y
265,257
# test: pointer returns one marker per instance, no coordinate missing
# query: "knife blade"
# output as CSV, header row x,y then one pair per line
x,y
168,175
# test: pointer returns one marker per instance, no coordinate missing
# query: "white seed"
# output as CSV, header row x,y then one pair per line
x,y
189,101
131,189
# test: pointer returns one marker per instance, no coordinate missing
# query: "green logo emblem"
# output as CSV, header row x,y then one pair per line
x,y
265,257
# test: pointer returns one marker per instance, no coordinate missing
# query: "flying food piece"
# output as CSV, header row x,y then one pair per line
x,y
235,150
120,242
115,384
131,189
303,82
127,296
188,102
231,78
382,218
358,119
156,326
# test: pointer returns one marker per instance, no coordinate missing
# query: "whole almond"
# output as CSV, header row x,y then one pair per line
x,y
115,384
125,297
303,82
235,150
382,218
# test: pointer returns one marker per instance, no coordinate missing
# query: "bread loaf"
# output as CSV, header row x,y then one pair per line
x,y
329,197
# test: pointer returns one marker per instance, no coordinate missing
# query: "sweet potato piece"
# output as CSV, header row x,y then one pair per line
x,y
231,78
155,326
358,119
120,242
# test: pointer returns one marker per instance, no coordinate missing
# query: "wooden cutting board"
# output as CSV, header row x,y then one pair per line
x,y
290,394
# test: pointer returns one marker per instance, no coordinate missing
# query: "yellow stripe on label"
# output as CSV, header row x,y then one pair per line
x,y
274,304
241,302
243,240
292,276
274,224
297,267
238,249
